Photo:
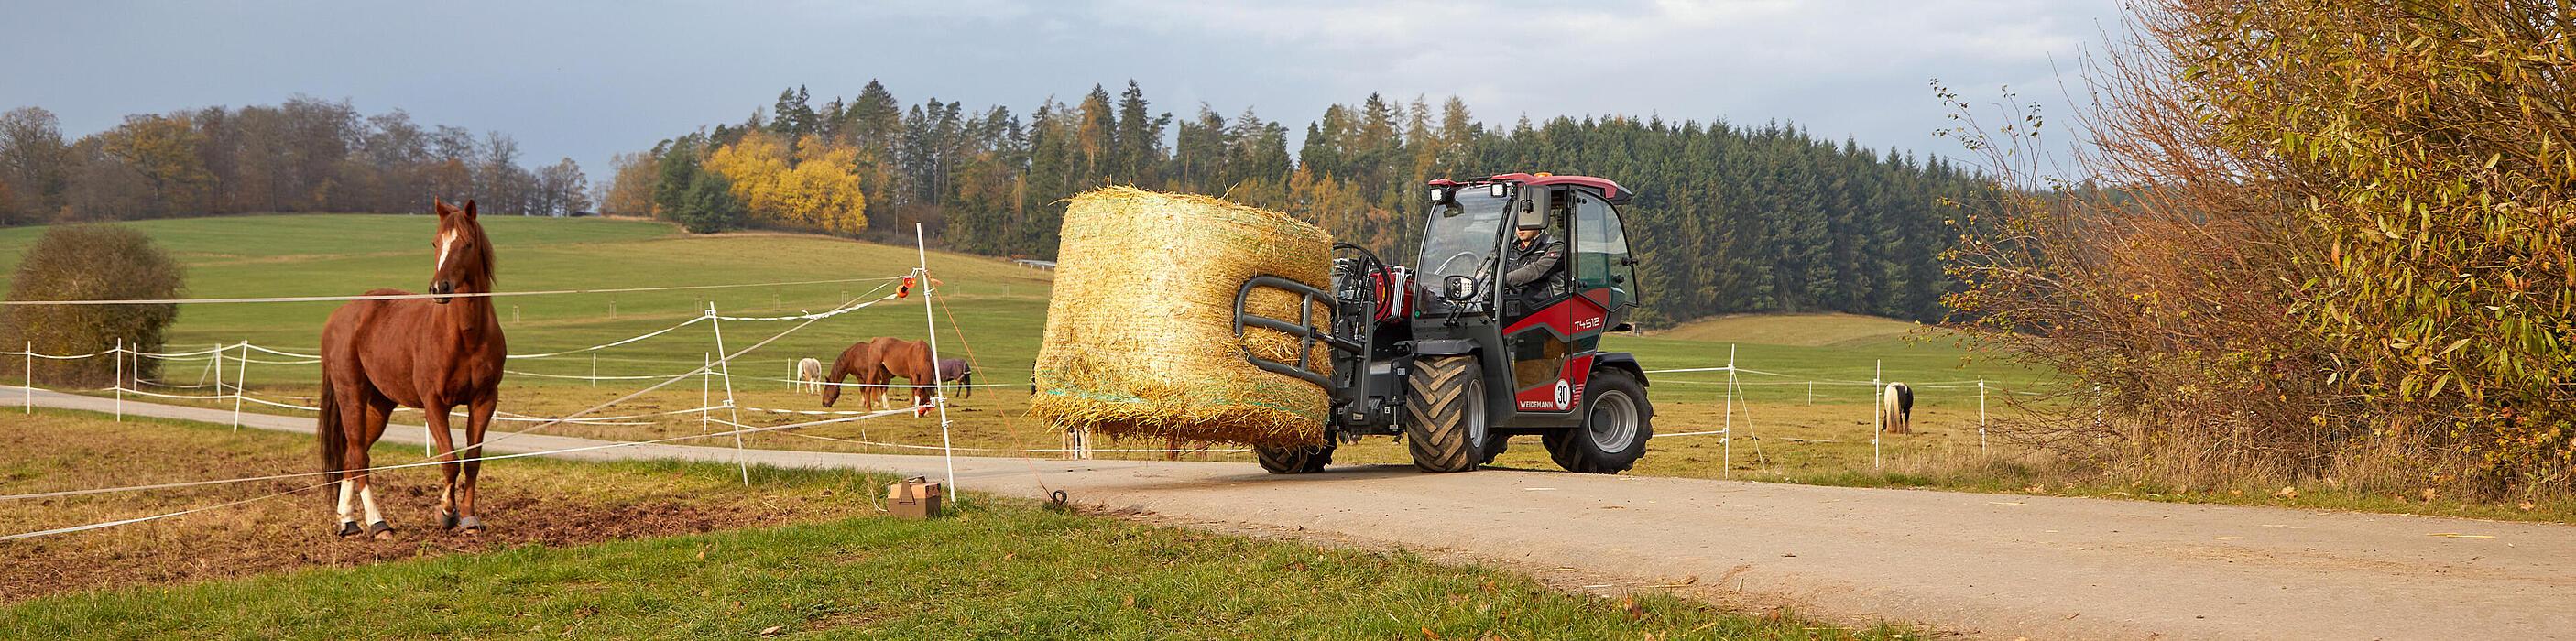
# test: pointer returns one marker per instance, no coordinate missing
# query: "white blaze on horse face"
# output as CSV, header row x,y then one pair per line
x,y
446,246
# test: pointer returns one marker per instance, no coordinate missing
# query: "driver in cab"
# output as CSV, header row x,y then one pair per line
x,y
1536,261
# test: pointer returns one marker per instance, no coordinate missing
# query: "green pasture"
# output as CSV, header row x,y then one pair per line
x,y
998,309
998,306
994,313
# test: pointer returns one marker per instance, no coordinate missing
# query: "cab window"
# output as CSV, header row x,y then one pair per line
x,y
1601,268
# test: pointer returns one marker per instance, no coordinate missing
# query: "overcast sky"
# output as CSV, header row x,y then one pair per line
x,y
588,79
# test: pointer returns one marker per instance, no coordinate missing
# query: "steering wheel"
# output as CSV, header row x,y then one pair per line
x,y
1444,263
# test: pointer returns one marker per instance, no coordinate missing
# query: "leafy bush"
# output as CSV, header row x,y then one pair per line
x,y
90,262
2329,239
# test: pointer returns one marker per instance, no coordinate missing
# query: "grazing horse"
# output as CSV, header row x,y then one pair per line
x,y
875,362
955,370
859,361
809,376
432,354
1896,409
910,360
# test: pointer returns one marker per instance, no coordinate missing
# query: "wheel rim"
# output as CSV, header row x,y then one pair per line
x,y
1613,421
1475,400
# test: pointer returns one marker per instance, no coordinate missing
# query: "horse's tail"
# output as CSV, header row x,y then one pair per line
x,y
969,382
326,428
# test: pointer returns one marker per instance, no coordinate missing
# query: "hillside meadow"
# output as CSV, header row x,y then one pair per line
x,y
1801,412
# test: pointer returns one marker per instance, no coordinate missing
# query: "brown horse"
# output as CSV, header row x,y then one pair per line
x,y
859,361
875,362
910,360
432,354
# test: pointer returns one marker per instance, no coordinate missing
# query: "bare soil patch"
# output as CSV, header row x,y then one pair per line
x,y
525,501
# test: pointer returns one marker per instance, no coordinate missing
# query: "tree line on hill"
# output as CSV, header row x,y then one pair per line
x,y
298,156
1728,218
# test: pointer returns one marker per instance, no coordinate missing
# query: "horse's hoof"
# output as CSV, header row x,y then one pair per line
x,y
381,530
447,520
348,529
473,526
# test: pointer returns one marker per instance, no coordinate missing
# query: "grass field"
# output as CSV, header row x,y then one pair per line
x,y
624,551
1804,418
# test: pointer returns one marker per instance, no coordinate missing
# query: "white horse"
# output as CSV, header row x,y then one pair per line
x,y
1896,409
809,376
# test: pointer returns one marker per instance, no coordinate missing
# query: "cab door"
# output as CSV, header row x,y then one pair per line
x,y
1603,270
1551,348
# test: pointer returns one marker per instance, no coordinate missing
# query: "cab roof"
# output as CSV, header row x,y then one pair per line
x,y
1609,191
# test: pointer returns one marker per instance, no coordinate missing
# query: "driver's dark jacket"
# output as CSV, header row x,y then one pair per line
x,y
1535,268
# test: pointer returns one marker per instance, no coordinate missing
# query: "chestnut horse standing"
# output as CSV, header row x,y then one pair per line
x,y
876,362
432,354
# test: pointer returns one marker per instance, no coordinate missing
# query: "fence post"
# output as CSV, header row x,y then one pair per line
x,y
594,370
743,460
118,355
938,388
1811,393
218,356
1726,434
705,390
31,377
242,370
1981,417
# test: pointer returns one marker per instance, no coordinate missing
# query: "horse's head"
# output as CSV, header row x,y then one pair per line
x,y
464,254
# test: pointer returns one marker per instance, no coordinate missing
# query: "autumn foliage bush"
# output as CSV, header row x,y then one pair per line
x,y
90,262
2318,240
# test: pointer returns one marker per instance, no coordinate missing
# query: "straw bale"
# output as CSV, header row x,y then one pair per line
x,y
1140,337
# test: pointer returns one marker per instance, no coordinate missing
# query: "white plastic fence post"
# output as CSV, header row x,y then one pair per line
x,y
241,370
1811,393
739,456
31,377
218,356
1726,435
1981,417
594,370
706,381
119,355
938,391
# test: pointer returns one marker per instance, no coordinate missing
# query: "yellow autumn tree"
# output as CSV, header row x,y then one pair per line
x,y
815,186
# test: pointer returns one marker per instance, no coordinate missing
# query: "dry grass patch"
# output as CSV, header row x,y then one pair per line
x,y
527,502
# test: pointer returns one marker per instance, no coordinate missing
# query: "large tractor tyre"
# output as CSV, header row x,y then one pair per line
x,y
1444,423
1301,459
1495,445
1617,420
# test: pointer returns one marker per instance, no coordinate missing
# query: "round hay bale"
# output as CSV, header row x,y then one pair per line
x,y
1140,332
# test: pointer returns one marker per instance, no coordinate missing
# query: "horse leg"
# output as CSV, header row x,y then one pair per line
x,y
445,442
478,417
376,412
358,484
875,393
353,456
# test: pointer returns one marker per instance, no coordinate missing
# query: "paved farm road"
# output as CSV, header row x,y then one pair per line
x,y
1975,564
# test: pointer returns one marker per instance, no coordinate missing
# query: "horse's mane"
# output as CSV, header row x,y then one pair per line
x,y
482,253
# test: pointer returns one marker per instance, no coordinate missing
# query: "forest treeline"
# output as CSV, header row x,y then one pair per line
x,y
1728,218
301,155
